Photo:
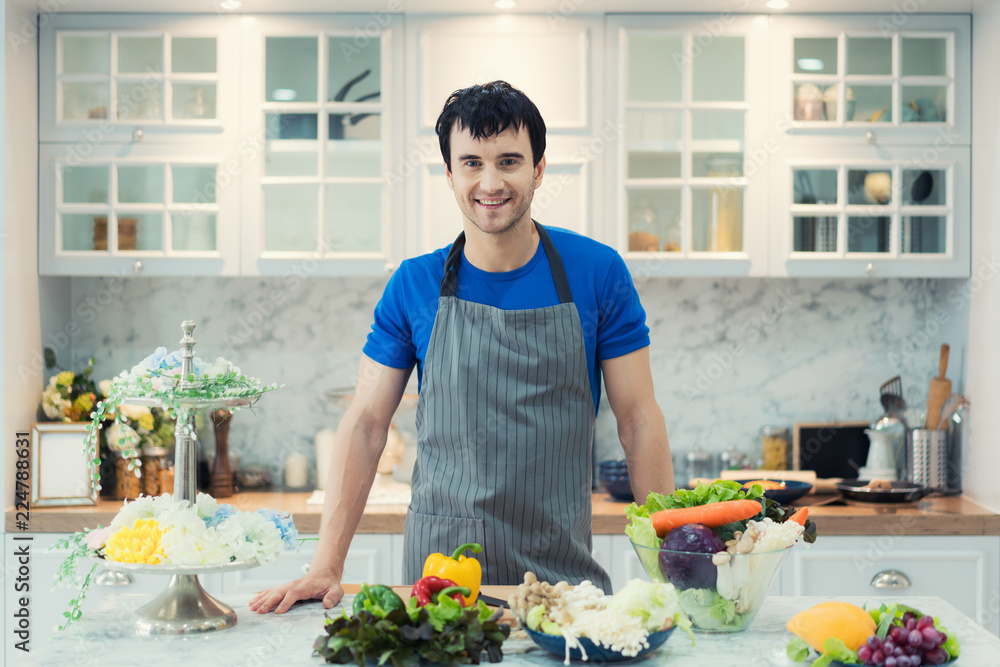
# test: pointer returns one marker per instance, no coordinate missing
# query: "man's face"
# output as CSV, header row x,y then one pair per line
x,y
493,179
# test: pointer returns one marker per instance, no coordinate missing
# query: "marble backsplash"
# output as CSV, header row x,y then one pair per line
x,y
729,356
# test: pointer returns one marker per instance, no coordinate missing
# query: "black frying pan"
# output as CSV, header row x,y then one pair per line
x,y
900,492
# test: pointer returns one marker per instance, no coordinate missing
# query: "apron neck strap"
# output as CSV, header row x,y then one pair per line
x,y
449,282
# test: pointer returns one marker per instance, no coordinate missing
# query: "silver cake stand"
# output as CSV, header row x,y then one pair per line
x,y
184,607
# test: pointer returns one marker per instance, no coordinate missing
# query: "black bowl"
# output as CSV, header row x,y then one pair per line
x,y
790,491
620,489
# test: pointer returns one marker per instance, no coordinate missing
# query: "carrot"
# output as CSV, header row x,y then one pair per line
x,y
712,515
800,516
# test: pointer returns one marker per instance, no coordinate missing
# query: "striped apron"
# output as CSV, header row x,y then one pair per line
x,y
505,425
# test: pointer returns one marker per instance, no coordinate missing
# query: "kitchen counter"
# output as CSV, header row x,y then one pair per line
x,y
103,637
931,516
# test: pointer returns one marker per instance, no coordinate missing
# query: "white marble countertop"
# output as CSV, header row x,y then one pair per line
x,y
103,638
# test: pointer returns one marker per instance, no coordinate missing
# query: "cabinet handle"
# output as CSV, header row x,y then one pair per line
x,y
870,137
113,578
389,268
305,569
137,267
890,579
138,134
870,269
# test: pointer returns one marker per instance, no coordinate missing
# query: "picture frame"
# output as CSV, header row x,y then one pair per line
x,y
60,469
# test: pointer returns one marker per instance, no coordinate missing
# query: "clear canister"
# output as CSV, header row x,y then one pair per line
x,y
774,447
154,459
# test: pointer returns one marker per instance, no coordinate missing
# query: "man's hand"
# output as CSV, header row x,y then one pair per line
x,y
323,587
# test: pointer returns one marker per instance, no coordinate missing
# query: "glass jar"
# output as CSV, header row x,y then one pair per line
x,y
732,459
702,464
774,447
127,485
154,459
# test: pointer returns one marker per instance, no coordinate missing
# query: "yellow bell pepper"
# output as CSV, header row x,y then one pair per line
x,y
463,571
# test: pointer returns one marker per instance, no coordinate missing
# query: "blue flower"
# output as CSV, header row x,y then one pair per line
x,y
155,359
224,512
289,533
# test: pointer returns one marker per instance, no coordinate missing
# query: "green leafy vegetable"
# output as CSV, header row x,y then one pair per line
x,y
656,605
710,611
797,650
445,633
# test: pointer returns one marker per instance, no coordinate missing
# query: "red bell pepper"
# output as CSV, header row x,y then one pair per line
x,y
427,590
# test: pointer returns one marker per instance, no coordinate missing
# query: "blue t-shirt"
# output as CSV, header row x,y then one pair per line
x,y
613,320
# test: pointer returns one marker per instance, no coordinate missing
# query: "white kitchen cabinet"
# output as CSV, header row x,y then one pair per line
x,y
318,98
371,559
138,209
159,79
900,79
872,210
47,603
689,97
964,570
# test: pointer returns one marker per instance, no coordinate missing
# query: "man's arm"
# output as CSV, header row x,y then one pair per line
x,y
641,428
360,440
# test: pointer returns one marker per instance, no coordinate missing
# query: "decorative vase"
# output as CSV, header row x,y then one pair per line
x,y
222,475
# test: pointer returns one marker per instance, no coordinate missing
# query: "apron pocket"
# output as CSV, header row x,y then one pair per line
x,y
425,534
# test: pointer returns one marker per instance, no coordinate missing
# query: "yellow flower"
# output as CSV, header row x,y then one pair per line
x,y
65,378
146,421
138,544
84,402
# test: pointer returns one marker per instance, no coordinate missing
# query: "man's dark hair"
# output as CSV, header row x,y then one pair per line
x,y
488,110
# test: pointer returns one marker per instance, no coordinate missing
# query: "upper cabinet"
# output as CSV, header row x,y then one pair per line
x,y
885,79
318,95
870,176
155,79
690,109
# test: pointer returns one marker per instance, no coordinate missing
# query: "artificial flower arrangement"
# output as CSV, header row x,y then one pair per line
x,y
158,376
159,530
162,530
69,396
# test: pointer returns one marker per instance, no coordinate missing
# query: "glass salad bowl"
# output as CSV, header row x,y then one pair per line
x,y
720,594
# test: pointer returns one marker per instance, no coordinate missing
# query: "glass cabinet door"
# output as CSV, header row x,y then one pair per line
x,y
112,75
895,214
686,106
323,108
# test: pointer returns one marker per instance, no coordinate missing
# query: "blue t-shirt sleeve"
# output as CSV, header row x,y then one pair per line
x,y
390,342
621,324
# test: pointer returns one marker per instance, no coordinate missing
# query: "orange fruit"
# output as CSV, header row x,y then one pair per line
x,y
848,623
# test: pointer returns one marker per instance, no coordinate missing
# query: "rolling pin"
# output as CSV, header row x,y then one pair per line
x,y
938,392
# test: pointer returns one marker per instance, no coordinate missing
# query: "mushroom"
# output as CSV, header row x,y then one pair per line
x,y
724,580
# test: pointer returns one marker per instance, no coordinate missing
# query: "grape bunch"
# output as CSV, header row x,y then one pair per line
x,y
910,642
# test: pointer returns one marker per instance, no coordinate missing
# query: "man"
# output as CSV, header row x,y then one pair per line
x,y
510,329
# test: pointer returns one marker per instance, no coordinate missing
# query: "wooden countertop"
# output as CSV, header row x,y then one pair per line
x,y
931,516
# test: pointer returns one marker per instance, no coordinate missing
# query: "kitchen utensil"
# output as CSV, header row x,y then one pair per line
x,y
930,457
939,390
951,405
788,492
891,395
898,492
556,644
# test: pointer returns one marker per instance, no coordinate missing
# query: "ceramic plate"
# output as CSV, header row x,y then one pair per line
x,y
557,646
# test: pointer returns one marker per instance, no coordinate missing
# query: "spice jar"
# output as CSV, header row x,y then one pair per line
x,y
774,447
127,485
154,459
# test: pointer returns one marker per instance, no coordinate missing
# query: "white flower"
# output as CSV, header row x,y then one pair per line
x,y
105,386
53,404
133,412
206,504
117,431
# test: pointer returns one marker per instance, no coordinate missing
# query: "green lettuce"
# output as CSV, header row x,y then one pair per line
x,y
653,604
710,611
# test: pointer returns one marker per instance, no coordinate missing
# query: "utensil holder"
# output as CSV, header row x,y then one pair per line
x,y
930,457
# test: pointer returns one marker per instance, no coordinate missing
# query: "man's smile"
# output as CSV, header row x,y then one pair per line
x,y
492,203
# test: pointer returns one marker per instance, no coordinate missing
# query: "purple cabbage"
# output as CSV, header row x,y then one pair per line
x,y
687,570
